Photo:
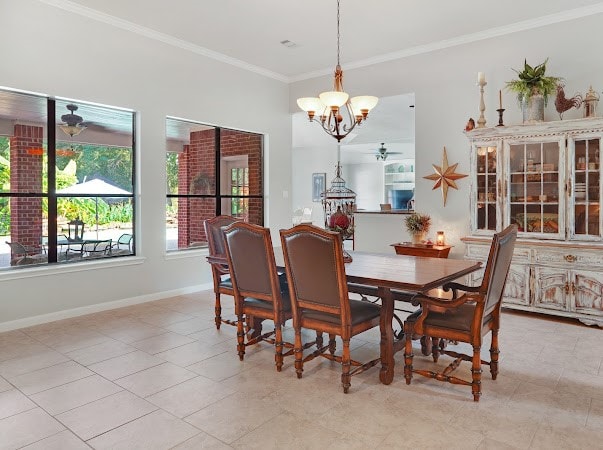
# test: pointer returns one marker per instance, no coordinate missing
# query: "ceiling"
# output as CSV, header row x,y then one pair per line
x,y
248,33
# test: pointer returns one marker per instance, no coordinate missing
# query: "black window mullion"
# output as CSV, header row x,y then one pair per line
x,y
52,163
217,174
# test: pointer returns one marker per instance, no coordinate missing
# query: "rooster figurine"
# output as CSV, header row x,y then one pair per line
x,y
562,103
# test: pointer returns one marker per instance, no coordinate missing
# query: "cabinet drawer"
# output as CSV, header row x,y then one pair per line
x,y
569,257
480,252
477,251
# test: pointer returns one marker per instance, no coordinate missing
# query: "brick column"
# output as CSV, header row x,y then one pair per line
x,y
26,177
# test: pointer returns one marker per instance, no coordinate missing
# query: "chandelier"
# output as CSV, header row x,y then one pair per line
x,y
337,113
74,124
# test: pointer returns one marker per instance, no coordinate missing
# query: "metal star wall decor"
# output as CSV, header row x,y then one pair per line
x,y
445,176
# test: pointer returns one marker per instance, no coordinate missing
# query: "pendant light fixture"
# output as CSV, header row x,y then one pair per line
x,y
334,110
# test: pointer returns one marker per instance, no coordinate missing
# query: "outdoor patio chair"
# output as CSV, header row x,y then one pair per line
x,y
123,246
22,255
99,249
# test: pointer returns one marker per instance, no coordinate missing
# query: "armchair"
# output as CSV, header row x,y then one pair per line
x,y
465,318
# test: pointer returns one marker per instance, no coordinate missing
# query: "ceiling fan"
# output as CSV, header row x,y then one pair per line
x,y
382,153
73,123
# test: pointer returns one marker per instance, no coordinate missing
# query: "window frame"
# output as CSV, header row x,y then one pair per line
x,y
51,194
218,196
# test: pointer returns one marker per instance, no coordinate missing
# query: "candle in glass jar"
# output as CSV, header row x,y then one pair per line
x,y
440,238
481,77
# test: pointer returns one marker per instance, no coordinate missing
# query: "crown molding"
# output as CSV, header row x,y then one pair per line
x,y
161,37
524,25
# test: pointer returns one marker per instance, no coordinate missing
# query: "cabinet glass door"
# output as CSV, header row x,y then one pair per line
x,y
486,187
585,192
535,188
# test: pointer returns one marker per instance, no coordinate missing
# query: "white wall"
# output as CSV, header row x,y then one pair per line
x,y
366,179
52,51
446,95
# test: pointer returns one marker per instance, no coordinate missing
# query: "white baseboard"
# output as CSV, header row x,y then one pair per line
x,y
75,312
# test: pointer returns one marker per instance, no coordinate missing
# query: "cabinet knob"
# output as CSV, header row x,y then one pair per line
x,y
573,288
570,258
567,288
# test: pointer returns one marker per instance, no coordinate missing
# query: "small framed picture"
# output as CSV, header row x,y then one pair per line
x,y
319,183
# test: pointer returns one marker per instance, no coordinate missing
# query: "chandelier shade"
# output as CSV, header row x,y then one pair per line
x,y
333,99
334,110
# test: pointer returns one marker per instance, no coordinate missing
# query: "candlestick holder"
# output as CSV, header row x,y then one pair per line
x,y
481,122
500,117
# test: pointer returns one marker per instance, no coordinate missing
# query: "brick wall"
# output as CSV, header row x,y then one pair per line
x,y
26,177
197,162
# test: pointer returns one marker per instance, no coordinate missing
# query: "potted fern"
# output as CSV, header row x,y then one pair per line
x,y
417,225
533,88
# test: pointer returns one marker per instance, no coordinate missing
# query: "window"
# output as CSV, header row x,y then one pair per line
x,y
64,165
210,171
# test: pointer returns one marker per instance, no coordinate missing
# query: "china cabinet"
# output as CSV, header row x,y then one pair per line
x,y
399,183
546,179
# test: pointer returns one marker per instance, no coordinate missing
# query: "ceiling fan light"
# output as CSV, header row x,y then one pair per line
x,y
72,130
334,99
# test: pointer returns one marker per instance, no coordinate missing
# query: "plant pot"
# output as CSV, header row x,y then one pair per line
x,y
418,238
533,109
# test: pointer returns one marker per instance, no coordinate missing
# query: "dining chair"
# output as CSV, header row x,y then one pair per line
x,y
467,317
258,291
220,273
319,297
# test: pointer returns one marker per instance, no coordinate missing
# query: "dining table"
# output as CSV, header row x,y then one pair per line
x,y
387,275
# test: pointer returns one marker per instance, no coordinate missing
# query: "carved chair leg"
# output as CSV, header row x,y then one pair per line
x,y
298,351
476,374
218,311
254,327
435,349
240,336
345,366
408,355
332,344
319,339
494,354
425,345
278,356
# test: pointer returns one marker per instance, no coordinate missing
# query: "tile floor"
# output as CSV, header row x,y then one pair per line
x,y
159,375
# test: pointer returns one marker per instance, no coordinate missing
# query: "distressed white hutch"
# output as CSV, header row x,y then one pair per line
x,y
546,178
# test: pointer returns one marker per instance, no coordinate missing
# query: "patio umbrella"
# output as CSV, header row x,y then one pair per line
x,y
94,188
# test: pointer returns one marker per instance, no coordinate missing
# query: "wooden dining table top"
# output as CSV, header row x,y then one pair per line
x,y
408,273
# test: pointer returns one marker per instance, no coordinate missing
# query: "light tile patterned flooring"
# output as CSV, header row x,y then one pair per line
x,y
159,375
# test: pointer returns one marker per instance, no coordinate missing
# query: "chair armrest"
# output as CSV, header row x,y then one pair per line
x,y
436,304
455,287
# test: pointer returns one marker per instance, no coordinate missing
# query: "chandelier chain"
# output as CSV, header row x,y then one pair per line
x,y
338,32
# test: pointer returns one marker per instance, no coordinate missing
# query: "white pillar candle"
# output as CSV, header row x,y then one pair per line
x,y
481,77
